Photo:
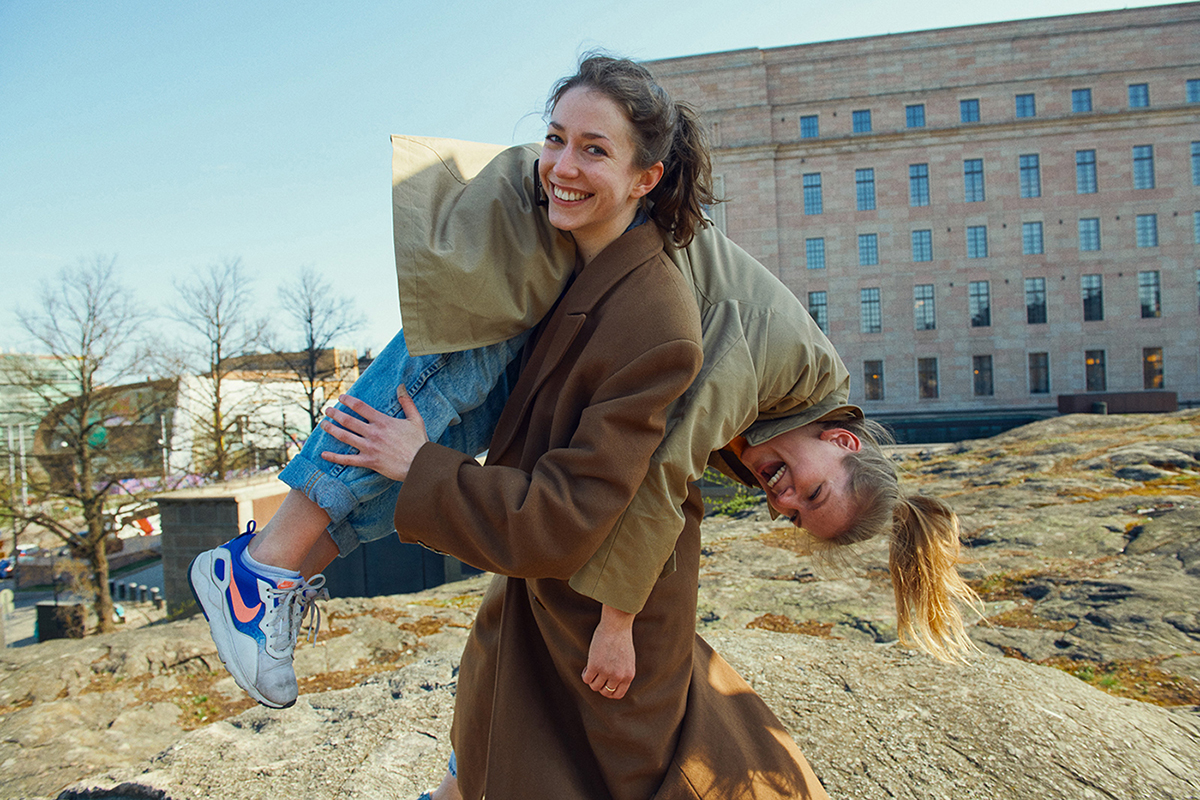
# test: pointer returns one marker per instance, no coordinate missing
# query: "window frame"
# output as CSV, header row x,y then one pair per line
x,y
1139,95
1143,166
974,187
1035,301
914,115
814,250
1033,242
922,245
1091,291
1081,101
1085,172
1095,371
979,304
870,304
1029,166
868,249
927,378
864,189
1039,372
1089,238
860,121
873,386
1146,230
982,377
977,241
924,307
810,126
1026,105
968,110
918,185
1150,293
814,202
818,309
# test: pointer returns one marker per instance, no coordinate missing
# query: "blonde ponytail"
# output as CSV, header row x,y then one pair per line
x,y
924,546
924,559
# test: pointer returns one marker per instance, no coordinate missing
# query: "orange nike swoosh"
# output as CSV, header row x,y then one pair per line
x,y
243,613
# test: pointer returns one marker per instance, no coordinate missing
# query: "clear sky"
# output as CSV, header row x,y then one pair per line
x,y
174,135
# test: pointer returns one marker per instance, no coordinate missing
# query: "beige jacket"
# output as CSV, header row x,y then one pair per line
x,y
471,243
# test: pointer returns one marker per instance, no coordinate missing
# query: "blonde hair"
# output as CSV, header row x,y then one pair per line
x,y
924,549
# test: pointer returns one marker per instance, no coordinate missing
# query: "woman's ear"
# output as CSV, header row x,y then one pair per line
x,y
647,180
842,438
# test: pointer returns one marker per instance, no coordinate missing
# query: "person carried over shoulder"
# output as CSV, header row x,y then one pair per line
x,y
343,495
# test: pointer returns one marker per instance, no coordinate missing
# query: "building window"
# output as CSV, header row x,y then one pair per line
x,y
1143,166
1039,373
716,211
1193,90
981,366
1139,95
1195,163
872,380
1152,368
1089,233
1196,227
981,304
810,127
814,253
1035,300
1149,294
868,249
922,244
1026,105
973,180
872,316
1031,176
1031,238
819,311
977,241
924,317
1085,171
914,116
1146,228
1095,379
812,193
968,110
861,120
927,378
918,183
864,189
1081,100
1092,288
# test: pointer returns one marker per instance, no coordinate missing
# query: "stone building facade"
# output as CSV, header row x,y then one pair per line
x,y
983,218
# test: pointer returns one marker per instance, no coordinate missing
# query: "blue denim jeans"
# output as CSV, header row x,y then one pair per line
x,y
460,397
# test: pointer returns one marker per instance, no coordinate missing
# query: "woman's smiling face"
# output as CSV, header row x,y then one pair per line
x,y
804,477
587,170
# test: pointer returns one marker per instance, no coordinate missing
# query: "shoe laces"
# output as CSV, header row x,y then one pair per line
x,y
290,608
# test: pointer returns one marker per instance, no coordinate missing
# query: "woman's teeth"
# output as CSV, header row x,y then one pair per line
x,y
569,196
774,479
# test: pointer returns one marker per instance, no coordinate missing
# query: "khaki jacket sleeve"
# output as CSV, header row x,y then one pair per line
x,y
477,261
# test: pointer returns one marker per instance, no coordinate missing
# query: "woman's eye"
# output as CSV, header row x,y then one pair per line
x,y
596,150
553,137
812,497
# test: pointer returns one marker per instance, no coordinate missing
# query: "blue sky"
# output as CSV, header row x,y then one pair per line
x,y
174,135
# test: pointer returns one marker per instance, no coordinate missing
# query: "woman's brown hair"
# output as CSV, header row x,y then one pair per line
x,y
664,131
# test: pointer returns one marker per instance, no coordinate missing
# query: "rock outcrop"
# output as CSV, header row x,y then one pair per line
x,y
1084,539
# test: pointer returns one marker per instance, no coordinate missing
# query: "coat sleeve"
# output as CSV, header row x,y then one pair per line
x,y
719,404
548,522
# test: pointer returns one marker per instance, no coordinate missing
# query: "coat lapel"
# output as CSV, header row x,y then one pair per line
x,y
564,323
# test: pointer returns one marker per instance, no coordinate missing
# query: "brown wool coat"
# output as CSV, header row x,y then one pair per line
x,y
570,450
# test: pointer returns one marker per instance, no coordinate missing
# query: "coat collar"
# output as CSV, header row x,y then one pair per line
x,y
592,281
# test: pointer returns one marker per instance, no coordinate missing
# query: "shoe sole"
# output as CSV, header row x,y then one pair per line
x,y
224,641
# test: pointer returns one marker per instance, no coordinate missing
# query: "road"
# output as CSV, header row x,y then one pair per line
x,y
19,626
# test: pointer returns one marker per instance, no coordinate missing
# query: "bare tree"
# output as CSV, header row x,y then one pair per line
x,y
319,319
90,326
216,305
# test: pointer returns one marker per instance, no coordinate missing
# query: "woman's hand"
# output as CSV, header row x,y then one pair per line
x,y
611,658
385,444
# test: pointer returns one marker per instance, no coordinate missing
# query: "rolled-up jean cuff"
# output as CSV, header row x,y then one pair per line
x,y
330,494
